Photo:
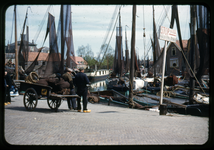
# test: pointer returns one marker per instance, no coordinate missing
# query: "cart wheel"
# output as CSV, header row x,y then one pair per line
x,y
54,103
30,99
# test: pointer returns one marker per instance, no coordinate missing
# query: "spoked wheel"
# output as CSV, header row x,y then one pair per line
x,y
30,99
54,103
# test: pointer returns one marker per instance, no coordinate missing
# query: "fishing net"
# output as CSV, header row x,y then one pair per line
x,y
118,59
203,37
159,55
53,59
65,37
61,47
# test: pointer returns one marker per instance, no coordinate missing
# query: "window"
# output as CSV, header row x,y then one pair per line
x,y
43,63
173,51
174,62
31,48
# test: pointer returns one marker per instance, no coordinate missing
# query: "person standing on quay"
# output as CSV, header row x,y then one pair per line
x,y
80,83
8,83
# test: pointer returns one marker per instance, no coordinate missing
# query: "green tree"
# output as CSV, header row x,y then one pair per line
x,y
108,58
87,54
81,51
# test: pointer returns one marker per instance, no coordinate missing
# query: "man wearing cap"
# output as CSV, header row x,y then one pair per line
x,y
80,83
68,77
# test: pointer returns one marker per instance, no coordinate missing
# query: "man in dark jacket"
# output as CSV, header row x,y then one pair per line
x,y
8,86
68,77
80,83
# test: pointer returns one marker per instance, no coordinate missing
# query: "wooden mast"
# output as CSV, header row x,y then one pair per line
x,y
119,47
154,53
144,43
131,103
192,51
16,49
62,42
127,52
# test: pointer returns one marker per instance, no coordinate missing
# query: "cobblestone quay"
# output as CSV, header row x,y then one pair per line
x,y
105,125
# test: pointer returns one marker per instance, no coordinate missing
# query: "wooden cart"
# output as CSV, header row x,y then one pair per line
x,y
35,92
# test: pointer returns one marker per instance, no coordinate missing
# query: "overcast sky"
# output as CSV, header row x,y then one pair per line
x,y
90,24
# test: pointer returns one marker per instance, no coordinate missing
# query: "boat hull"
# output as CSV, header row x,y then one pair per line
x,y
97,78
97,75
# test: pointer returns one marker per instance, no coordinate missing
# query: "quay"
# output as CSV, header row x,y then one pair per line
x,y
105,125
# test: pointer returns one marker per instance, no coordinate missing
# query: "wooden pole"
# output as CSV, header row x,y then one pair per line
x,y
131,103
62,42
16,49
163,72
192,51
154,53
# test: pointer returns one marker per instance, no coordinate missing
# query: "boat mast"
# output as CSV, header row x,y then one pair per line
x,y
154,53
119,47
131,103
62,42
192,51
144,42
127,52
16,49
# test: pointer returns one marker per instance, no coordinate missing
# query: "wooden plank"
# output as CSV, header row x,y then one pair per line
x,y
120,94
164,100
64,96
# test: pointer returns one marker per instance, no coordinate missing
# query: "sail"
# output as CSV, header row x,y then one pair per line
x,y
158,59
53,59
118,60
65,37
23,48
202,33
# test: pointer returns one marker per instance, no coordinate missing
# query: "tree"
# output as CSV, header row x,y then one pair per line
x,y
87,54
109,53
81,51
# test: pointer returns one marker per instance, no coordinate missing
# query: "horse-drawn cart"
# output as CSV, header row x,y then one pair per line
x,y
35,92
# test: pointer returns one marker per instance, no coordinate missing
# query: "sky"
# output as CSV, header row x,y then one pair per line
x,y
90,24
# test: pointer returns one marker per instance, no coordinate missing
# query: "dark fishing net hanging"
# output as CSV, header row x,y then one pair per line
x,y
203,38
33,64
118,60
69,39
23,49
53,59
65,37
159,55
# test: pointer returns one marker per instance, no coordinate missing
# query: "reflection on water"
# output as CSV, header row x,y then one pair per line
x,y
101,86
98,86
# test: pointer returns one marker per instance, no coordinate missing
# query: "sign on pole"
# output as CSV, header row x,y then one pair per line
x,y
167,34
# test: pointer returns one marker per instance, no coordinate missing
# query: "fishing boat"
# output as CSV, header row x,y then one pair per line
x,y
97,75
112,96
118,79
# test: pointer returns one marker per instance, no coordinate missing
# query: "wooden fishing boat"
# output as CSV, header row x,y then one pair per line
x,y
112,96
98,75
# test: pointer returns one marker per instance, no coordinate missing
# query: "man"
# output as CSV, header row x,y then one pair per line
x,y
68,77
8,82
80,83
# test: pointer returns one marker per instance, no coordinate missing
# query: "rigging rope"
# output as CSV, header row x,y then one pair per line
x,y
108,31
166,13
41,24
192,71
111,36
160,22
12,28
